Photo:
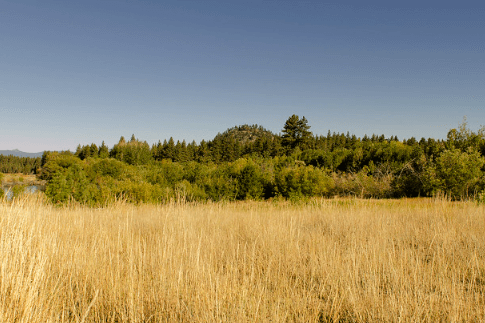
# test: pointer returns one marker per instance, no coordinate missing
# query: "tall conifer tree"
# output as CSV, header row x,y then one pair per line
x,y
296,133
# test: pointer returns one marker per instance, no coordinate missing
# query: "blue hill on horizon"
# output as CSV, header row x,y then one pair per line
x,y
18,153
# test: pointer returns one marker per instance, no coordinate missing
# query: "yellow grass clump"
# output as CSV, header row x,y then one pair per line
x,y
339,260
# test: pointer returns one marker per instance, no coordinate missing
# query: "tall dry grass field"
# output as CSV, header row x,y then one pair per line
x,y
323,261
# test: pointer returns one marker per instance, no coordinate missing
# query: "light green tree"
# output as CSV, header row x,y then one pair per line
x,y
457,173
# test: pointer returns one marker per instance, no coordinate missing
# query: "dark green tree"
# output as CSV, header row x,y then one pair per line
x,y
250,183
191,150
181,154
169,149
203,153
118,150
103,151
296,133
93,150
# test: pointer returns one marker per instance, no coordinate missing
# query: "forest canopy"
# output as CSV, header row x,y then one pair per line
x,y
251,162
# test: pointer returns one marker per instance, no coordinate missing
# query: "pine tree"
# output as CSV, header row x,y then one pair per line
x,y
181,151
296,133
103,150
93,150
170,149
191,150
203,152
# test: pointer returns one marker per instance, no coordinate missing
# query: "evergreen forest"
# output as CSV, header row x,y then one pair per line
x,y
251,162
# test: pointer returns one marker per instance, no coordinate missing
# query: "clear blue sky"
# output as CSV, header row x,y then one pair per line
x,y
78,72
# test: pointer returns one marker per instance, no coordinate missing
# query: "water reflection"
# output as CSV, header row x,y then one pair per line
x,y
29,189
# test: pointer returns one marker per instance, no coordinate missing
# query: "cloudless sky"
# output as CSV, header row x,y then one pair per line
x,y
78,72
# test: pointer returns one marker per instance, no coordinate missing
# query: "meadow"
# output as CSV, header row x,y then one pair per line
x,y
323,260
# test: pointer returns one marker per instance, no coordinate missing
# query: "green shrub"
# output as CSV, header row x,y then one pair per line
x,y
139,192
186,191
249,183
17,190
411,179
302,181
172,172
456,173
221,184
110,167
70,183
56,163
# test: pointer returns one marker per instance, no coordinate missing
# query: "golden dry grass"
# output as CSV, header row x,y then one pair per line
x,y
342,260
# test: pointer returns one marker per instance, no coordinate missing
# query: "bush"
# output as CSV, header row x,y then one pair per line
x,y
302,181
412,180
57,163
110,167
249,183
185,191
17,190
221,184
141,192
457,174
171,172
71,182
363,185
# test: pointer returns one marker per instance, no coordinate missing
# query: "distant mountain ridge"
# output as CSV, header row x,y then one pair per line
x,y
18,153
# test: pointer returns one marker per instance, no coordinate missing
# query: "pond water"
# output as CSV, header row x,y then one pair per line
x,y
30,189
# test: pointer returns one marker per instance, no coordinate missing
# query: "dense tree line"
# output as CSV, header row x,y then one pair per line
x,y
24,165
250,162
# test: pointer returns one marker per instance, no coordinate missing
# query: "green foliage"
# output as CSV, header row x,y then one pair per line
x,y
141,192
221,183
171,173
246,133
24,165
186,191
133,152
110,167
70,182
2,193
56,163
413,179
86,151
296,133
299,181
464,139
364,185
103,151
249,162
250,183
456,173
17,190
